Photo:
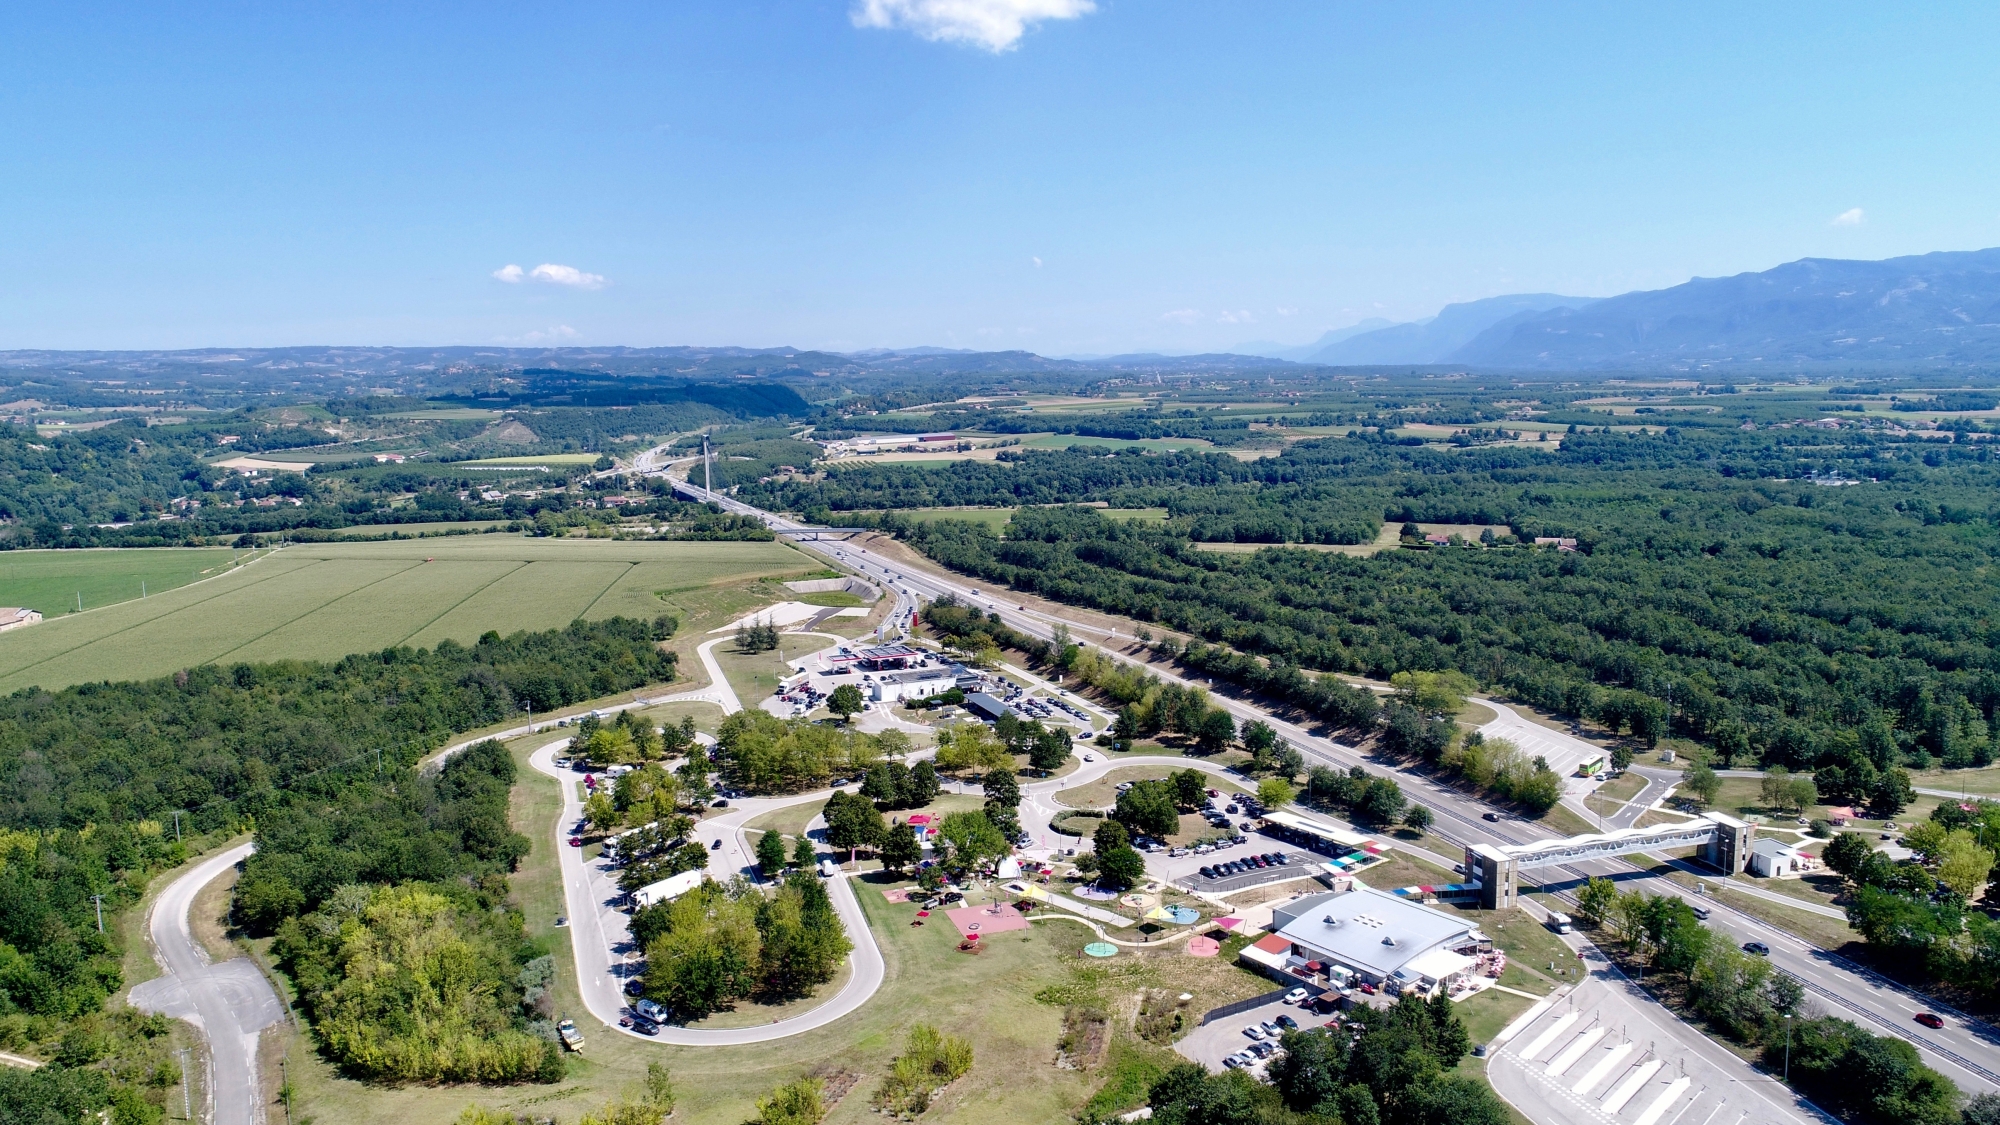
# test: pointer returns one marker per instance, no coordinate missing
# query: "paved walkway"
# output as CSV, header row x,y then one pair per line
x,y
231,1002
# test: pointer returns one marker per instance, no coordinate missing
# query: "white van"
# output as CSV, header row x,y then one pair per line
x,y
828,869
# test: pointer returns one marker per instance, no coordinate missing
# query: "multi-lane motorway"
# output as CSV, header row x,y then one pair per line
x,y
1966,1051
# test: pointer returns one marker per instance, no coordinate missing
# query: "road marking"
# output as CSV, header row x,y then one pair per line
x,y
1602,1068
1622,1093
1575,1051
1659,1107
1542,1041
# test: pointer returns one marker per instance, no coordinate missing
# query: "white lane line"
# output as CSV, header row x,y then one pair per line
x,y
1541,1042
1602,1067
1622,1093
1575,1051
1659,1107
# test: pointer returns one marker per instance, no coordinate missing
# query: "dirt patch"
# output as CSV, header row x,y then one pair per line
x,y
1086,1036
835,1085
514,433
208,917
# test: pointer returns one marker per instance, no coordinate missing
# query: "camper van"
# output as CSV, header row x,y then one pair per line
x,y
1558,922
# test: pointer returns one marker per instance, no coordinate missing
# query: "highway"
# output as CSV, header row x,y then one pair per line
x,y
230,1003
1966,1051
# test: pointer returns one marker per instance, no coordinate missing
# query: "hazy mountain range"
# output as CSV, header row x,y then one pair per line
x,y
1941,308
1933,310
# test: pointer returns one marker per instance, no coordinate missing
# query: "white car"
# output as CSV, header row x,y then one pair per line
x,y
1295,996
1090,757
1254,1032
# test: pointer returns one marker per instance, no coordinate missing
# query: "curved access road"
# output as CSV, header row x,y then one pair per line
x,y
601,942
230,1002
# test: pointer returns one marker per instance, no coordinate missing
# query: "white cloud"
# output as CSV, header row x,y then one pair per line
x,y
1849,218
567,275
1286,310
1037,261
1240,316
509,273
542,335
1182,316
996,25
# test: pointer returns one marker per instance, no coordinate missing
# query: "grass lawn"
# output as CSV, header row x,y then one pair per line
x,y
323,601
1401,870
834,599
988,998
1103,792
1567,821
51,581
1972,783
1487,1013
1612,795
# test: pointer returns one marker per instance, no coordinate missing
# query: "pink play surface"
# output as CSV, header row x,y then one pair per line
x,y
1203,947
984,920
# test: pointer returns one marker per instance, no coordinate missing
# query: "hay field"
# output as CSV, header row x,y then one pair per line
x,y
52,581
323,601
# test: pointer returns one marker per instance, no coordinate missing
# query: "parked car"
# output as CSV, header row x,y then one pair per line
x,y
1287,1022
1265,1049
1295,995
1231,1062
576,841
570,1036
1271,1029
1930,1020
644,1026
650,1010
1206,872
1254,1032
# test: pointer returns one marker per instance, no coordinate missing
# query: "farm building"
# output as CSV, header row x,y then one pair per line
x,y
13,617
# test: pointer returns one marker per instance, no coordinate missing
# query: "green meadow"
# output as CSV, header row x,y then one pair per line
x,y
324,601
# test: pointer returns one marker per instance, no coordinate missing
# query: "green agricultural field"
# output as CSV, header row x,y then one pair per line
x,y
323,601
52,581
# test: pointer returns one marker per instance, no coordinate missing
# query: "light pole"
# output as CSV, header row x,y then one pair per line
x,y
1788,1048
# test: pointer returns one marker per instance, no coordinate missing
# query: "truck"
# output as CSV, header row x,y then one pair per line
x,y
828,869
570,1036
1559,922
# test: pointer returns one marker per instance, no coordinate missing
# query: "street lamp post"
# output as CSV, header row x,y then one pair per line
x,y
1788,1047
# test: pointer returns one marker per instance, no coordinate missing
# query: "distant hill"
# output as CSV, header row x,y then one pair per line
x,y
1930,308
1300,352
1434,340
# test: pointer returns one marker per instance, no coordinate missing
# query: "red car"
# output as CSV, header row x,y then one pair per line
x,y
576,841
1929,1020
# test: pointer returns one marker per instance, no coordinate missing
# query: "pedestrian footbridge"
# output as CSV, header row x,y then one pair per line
x,y
1723,842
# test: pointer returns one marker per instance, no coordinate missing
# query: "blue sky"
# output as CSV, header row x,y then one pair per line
x,y
858,173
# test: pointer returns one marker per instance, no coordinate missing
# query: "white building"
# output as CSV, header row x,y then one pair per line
x,y
917,683
1367,935
1774,859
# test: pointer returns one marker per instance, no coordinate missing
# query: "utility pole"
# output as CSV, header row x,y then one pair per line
x,y
706,483
99,900
177,826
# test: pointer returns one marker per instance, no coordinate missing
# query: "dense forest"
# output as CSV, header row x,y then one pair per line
x,y
104,785
1802,598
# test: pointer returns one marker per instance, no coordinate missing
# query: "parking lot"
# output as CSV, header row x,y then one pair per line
x,y
1297,865
1210,1043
